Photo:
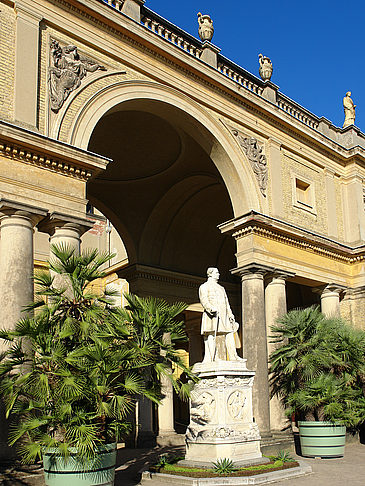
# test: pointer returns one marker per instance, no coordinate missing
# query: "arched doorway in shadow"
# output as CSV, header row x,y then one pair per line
x,y
166,197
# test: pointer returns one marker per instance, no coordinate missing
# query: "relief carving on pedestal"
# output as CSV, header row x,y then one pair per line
x,y
202,408
253,151
69,68
236,404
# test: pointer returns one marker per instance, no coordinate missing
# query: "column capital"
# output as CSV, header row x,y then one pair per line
x,y
278,275
355,291
10,208
330,288
59,220
252,269
24,11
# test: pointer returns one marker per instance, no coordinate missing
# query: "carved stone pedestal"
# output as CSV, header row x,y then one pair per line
x,y
221,421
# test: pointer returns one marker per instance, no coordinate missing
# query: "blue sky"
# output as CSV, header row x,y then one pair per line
x,y
317,47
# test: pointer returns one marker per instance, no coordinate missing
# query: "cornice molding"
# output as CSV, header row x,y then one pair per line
x,y
35,158
255,224
35,149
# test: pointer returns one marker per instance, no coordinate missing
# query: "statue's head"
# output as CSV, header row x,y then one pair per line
x,y
213,272
348,93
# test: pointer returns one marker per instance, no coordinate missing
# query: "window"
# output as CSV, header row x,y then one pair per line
x,y
303,194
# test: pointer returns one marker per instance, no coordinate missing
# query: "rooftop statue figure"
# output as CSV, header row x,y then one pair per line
x,y
217,318
265,69
349,109
206,29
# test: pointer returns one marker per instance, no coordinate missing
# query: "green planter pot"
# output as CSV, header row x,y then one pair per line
x,y
322,439
59,472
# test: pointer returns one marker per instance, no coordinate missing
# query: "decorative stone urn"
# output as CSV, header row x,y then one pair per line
x,y
206,29
221,421
265,69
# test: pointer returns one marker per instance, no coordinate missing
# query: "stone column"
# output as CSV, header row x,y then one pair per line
x,y
26,63
16,284
330,300
65,230
195,340
255,339
16,259
166,430
352,306
146,436
166,410
275,307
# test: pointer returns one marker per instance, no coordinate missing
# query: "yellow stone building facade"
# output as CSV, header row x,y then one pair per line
x,y
193,161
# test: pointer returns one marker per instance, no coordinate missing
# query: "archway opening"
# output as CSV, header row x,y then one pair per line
x,y
162,192
165,196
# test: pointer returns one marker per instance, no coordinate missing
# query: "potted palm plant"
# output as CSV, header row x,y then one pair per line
x,y
318,370
72,373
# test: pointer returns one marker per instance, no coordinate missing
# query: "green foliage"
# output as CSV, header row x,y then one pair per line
x,y
283,456
224,466
73,372
167,459
318,368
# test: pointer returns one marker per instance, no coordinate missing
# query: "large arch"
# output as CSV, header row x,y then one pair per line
x,y
191,117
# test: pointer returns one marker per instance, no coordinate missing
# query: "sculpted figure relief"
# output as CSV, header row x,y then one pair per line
x,y
217,318
68,69
349,109
257,159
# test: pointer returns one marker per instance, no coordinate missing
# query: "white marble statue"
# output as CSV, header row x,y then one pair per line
x,y
349,109
217,319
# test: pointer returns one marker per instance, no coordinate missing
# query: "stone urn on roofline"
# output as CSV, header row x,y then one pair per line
x,y
265,69
206,29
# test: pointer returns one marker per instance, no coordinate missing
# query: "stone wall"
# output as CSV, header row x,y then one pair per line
x,y
314,215
7,61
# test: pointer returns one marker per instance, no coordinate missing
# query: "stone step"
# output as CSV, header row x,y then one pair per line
x,y
170,440
272,445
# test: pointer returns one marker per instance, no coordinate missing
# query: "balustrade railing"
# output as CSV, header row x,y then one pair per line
x,y
171,33
117,4
242,78
297,111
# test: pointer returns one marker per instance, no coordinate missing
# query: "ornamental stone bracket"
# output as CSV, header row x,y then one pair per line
x,y
254,152
67,69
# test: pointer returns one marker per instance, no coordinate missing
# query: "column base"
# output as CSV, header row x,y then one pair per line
x,y
170,438
146,440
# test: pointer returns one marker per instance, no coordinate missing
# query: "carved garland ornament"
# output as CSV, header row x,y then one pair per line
x,y
68,70
257,159
201,434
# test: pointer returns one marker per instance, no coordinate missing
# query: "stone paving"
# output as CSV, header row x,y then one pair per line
x,y
349,470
